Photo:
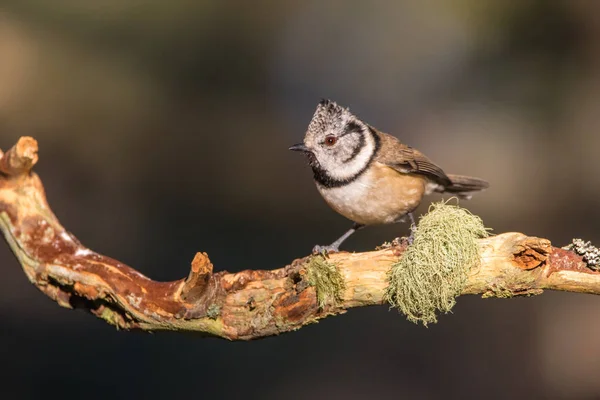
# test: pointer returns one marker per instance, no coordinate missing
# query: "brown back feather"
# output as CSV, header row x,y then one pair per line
x,y
405,159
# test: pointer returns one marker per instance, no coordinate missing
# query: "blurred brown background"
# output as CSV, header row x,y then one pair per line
x,y
164,128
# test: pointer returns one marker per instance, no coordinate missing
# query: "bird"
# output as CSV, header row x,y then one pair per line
x,y
371,177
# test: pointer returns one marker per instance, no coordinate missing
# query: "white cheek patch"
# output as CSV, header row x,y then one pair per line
x,y
355,166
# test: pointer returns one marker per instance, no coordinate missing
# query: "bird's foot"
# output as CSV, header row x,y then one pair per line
x,y
325,249
406,240
411,238
413,228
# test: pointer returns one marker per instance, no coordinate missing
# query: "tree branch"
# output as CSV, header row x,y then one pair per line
x,y
248,304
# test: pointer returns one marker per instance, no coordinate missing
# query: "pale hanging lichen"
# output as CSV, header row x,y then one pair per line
x,y
433,270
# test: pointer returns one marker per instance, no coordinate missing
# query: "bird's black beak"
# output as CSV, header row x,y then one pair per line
x,y
300,147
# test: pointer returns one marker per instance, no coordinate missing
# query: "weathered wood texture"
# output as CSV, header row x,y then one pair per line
x,y
244,305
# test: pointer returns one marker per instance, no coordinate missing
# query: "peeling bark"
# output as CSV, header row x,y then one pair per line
x,y
245,305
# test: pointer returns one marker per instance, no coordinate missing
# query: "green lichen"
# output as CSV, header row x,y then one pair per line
x,y
111,317
326,279
433,270
213,311
498,290
512,284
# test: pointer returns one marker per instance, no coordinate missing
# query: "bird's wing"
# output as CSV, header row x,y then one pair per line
x,y
407,160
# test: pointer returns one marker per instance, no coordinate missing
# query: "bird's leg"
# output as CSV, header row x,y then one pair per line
x,y
334,247
413,227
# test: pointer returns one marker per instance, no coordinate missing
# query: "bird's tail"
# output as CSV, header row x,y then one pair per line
x,y
464,186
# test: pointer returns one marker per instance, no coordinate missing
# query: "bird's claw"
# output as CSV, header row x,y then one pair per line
x,y
325,249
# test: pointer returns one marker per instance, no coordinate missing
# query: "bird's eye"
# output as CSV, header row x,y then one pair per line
x,y
330,140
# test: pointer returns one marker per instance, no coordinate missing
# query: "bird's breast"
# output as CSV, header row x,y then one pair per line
x,y
381,195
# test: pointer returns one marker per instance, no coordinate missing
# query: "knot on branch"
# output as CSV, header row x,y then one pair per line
x,y
531,253
20,158
196,282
